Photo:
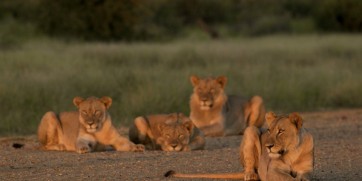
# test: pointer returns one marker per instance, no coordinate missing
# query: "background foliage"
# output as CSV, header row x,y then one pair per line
x,y
163,20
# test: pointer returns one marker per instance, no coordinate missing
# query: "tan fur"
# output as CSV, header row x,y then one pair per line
x,y
88,129
218,114
283,152
172,132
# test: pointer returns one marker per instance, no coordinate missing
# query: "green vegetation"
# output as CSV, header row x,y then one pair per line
x,y
162,20
292,73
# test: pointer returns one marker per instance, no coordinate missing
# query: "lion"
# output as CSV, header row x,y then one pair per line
x,y
167,132
86,130
218,114
284,151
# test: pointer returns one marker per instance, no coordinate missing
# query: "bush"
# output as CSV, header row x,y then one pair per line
x,y
19,9
93,19
340,15
129,20
16,24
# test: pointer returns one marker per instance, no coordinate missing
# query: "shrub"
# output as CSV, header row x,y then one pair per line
x,y
92,19
340,15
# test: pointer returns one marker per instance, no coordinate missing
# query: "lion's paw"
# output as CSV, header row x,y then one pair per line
x,y
186,148
61,147
304,179
251,176
139,148
84,149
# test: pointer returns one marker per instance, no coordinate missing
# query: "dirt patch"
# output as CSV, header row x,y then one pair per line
x,y
338,148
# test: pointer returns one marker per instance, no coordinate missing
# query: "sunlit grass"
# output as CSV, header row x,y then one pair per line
x,y
292,73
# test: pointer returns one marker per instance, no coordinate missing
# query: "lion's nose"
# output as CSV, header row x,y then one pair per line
x,y
90,121
174,145
269,145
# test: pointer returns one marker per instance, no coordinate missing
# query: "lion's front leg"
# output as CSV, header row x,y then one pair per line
x,y
123,144
277,175
85,144
303,177
111,137
278,170
250,152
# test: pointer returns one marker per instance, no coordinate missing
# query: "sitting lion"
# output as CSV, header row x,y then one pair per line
x,y
284,151
218,114
86,130
173,132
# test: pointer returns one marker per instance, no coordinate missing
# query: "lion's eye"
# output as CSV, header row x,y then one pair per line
x,y
84,112
181,136
268,131
167,136
280,131
98,113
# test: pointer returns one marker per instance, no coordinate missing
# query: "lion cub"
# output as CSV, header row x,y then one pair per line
x,y
88,129
172,132
218,114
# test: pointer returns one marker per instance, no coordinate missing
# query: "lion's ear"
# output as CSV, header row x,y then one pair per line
x,y
77,100
270,117
222,80
107,101
296,119
188,125
194,80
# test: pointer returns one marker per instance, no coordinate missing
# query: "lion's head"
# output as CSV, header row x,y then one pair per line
x,y
283,133
175,132
208,92
92,112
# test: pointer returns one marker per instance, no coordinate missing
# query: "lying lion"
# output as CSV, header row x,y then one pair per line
x,y
173,132
218,114
283,152
88,129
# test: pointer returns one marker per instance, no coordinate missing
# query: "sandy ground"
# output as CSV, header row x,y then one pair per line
x,y
338,156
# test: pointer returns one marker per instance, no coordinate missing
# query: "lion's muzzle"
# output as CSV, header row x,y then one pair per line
x,y
273,151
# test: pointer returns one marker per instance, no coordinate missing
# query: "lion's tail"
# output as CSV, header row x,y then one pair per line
x,y
239,176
